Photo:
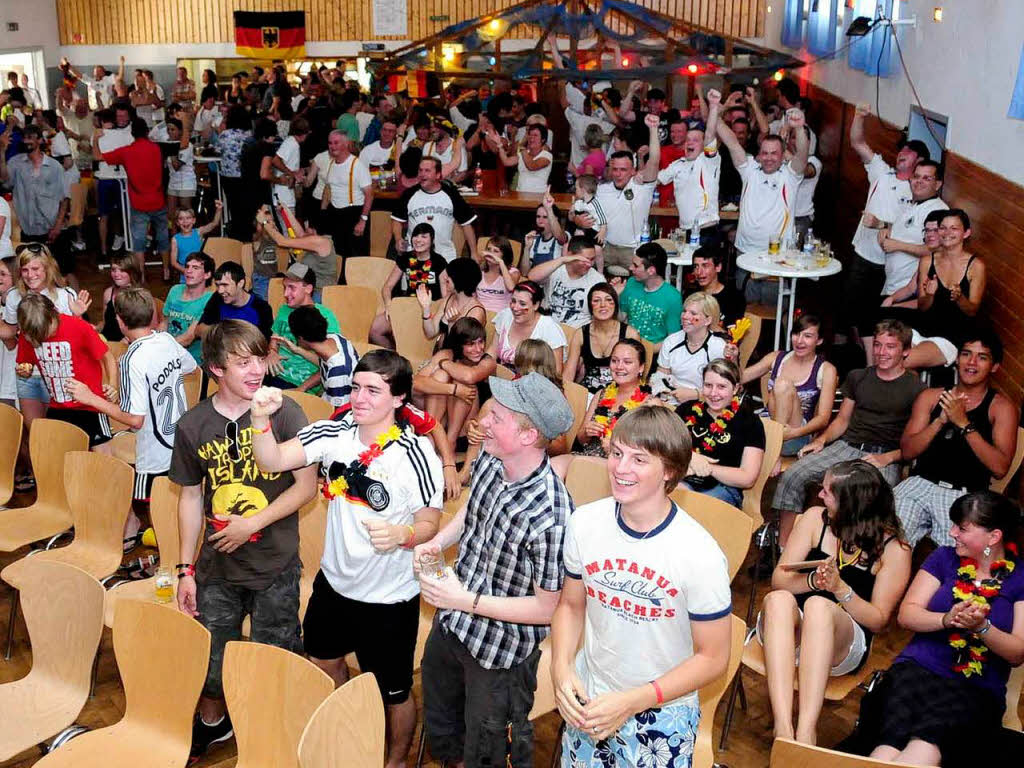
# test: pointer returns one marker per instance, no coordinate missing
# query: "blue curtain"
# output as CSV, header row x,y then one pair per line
x,y
793,24
821,26
1017,101
874,53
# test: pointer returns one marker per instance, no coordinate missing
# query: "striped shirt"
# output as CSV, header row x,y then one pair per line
x,y
336,371
512,542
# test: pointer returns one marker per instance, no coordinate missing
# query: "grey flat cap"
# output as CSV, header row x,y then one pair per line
x,y
536,397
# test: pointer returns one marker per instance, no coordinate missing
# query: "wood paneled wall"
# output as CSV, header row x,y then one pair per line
x,y
129,22
995,205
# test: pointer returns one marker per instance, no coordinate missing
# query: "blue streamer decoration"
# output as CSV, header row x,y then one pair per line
x,y
1017,100
793,24
821,27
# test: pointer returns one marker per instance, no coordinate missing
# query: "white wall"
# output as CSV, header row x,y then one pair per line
x,y
964,67
37,26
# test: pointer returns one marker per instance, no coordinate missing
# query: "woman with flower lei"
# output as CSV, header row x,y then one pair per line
x,y
728,438
420,266
947,689
626,392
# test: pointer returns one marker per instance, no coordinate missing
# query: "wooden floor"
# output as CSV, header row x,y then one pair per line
x,y
749,743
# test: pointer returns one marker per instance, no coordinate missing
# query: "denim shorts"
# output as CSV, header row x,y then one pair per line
x,y
792,446
33,388
140,222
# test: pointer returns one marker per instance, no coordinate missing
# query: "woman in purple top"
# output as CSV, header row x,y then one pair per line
x,y
949,684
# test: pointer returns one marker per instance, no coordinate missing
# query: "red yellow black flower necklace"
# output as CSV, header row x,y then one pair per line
x,y
419,272
340,485
716,428
969,651
603,413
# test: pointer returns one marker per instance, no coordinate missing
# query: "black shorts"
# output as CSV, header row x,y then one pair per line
x,y
143,487
94,424
383,636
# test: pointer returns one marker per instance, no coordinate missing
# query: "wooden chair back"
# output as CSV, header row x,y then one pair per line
x,y
315,408
362,347
50,442
731,528
63,609
1011,718
787,753
711,694
458,239
347,730
407,327
312,534
517,249
380,233
15,227
194,386
749,341
99,493
489,330
544,697
577,395
284,258
76,212
271,694
999,484
587,480
772,449
652,358
162,656
503,373
371,271
355,306
11,424
222,249
275,293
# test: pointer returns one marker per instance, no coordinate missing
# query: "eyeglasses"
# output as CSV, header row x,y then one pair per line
x,y
33,247
231,433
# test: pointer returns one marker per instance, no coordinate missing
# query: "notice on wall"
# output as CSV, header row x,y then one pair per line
x,y
390,17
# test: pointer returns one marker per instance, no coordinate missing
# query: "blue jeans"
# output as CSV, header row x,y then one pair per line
x,y
725,493
261,285
139,224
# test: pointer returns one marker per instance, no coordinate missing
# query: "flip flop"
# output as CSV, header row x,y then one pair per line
x,y
131,542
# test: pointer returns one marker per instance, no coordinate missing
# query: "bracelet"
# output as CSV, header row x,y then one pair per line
x,y
943,620
658,692
810,582
410,542
986,628
455,388
443,466
476,601
262,431
188,570
846,598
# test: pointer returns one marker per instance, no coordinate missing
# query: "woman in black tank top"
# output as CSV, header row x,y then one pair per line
x,y
820,620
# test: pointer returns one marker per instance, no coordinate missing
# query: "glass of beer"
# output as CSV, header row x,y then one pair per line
x,y
432,564
163,584
773,245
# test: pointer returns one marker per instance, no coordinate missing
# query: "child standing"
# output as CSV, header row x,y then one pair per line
x,y
64,347
584,201
188,240
181,183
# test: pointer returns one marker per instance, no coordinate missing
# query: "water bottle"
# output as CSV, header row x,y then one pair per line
x,y
809,242
694,238
478,179
645,233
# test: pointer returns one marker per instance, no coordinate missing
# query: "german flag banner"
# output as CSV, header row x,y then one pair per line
x,y
270,35
419,84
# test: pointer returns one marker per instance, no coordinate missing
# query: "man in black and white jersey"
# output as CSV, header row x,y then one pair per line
x,y
385,489
152,387
439,205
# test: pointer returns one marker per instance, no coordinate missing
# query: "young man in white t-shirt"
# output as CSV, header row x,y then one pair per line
x,y
569,280
626,201
385,488
286,164
769,196
151,374
648,588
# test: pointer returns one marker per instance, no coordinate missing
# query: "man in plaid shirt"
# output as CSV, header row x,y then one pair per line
x,y
494,608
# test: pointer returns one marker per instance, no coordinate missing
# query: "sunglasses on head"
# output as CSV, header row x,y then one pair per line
x,y
33,247
234,448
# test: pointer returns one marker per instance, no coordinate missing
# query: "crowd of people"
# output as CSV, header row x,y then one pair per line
x,y
562,299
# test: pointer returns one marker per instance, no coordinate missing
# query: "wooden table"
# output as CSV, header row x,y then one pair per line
x,y
528,201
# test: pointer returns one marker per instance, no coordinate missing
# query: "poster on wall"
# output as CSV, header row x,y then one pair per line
x,y
390,17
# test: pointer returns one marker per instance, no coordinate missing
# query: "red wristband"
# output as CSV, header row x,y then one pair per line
x,y
657,691
186,570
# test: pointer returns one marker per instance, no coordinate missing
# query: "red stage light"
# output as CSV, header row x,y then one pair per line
x,y
693,69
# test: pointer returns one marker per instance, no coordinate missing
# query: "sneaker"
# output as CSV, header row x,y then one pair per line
x,y
205,736
118,243
78,245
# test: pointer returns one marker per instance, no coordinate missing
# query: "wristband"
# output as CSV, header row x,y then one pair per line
x,y
364,217
262,431
443,466
476,601
410,542
186,570
810,582
658,692
984,629
847,597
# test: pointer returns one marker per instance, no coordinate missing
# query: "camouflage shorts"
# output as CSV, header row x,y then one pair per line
x,y
274,614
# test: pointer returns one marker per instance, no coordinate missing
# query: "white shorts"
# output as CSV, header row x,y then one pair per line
x,y
852,660
946,347
181,192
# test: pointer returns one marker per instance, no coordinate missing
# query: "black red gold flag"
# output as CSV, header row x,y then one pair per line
x,y
270,34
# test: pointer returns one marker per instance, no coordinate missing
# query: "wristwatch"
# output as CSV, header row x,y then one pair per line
x,y
364,217
967,429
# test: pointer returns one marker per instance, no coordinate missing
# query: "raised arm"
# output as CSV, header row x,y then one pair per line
x,y
714,113
736,151
857,141
649,172
798,123
270,455
763,127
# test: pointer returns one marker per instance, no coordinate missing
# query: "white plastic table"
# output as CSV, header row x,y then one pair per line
x,y
785,266
678,259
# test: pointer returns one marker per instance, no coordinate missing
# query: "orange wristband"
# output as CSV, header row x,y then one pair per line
x,y
657,692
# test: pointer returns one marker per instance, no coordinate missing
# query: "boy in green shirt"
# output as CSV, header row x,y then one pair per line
x,y
648,303
287,366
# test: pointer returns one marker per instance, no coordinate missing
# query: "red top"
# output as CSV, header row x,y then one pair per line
x,y
73,352
144,165
669,155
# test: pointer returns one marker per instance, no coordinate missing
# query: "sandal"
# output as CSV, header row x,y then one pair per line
x,y
24,483
131,542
